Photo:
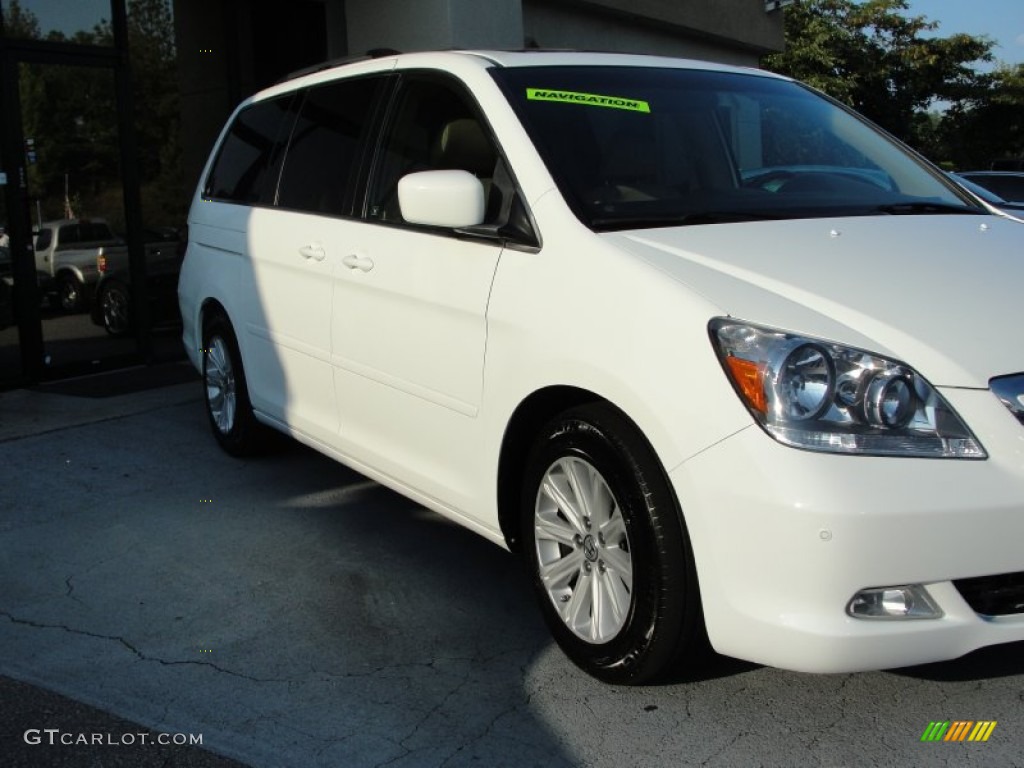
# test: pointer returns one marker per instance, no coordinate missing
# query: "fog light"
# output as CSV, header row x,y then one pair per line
x,y
903,602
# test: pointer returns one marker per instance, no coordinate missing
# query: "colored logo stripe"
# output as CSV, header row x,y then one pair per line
x,y
982,730
959,730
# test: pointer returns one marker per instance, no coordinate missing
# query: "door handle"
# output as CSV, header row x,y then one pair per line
x,y
312,251
364,263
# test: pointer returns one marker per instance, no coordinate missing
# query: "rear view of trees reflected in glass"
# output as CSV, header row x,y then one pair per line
x,y
70,122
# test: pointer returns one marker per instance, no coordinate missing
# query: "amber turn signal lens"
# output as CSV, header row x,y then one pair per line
x,y
749,379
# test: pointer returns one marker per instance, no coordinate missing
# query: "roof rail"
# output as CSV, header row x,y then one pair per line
x,y
373,53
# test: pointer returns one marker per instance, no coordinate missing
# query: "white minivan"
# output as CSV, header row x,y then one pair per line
x,y
725,362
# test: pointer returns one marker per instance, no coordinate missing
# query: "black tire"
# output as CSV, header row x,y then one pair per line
x,y
647,625
114,304
227,394
70,293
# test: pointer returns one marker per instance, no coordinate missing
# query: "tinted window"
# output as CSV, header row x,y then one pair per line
x,y
1008,187
68,236
634,147
434,127
323,158
245,169
84,232
43,239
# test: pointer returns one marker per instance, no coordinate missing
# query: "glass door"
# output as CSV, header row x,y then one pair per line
x,y
10,357
76,198
96,202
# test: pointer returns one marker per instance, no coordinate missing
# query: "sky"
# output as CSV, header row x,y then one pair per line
x,y
67,16
1000,20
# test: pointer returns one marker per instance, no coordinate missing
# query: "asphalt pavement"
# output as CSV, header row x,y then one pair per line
x,y
286,611
37,726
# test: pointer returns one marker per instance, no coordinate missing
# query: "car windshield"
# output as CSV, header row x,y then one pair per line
x,y
634,147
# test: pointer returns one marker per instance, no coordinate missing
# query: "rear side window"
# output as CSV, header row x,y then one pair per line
x,y
322,163
84,232
246,166
43,239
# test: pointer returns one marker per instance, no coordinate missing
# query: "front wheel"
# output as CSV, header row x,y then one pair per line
x,y
608,550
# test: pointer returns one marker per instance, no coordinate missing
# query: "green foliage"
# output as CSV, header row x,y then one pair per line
x,y
70,113
991,127
20,23
886,64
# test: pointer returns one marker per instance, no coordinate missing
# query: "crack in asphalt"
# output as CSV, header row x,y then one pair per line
x,y
485,731
71,630
327,741
465,680
742,734
422,721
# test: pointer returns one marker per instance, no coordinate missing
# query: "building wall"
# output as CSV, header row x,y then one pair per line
x,y
592,27
207,63
731,31
741,24
419,25
230,48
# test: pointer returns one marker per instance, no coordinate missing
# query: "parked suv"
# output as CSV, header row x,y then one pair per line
x,y
710,350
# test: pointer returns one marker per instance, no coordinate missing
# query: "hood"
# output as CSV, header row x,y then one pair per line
x,y
943,294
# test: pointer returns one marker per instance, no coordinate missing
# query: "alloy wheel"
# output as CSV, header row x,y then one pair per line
x,y
220,385
583,550
114,306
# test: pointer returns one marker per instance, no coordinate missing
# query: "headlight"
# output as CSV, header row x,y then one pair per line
x,y
822,396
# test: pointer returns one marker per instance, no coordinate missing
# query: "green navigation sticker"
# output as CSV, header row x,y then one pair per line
x,y
591,99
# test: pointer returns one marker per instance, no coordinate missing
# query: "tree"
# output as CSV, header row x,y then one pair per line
x,y
70,113
19,22
990,127
157,108
880,61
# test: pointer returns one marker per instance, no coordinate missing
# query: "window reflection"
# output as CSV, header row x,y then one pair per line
x,y
78,21
10,366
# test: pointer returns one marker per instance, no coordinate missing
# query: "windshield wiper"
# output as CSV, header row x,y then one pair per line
x,y
923,206
678,220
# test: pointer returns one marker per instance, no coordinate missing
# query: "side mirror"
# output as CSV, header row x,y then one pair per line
x,y
442,199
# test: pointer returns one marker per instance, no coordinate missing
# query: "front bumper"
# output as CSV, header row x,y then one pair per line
x,y
784,538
